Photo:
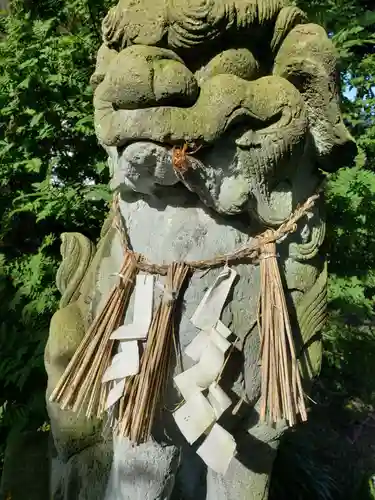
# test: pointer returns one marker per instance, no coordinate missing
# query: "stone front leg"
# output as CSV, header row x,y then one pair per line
x,y
80,459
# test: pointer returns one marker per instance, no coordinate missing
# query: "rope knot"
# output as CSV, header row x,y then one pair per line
x,y
267,255
169,295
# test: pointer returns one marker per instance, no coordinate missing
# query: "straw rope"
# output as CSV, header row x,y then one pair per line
x,y
81,389
249,252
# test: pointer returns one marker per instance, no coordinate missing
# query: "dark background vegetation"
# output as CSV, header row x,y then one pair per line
x,y
52,179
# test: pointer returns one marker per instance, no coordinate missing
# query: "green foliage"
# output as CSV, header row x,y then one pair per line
x,y
351,219
53,178
351,198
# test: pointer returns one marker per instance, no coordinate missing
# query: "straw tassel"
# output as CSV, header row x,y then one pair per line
x,y
282,395
144,391
80,387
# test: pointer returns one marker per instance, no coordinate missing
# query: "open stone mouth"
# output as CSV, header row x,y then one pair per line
x,y
249,206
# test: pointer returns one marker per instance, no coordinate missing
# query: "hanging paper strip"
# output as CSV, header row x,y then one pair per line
x,y
198,414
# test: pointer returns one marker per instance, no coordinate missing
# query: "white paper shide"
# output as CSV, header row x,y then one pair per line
x,y
126,362
204,399
200,412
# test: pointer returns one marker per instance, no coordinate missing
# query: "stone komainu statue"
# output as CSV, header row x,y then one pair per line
x,y
252,86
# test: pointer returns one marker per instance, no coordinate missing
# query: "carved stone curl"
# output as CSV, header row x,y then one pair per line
x,y
254,86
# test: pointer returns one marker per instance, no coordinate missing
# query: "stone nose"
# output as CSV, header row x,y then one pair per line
x,y
343,152
349,150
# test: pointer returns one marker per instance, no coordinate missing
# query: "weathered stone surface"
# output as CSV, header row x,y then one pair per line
x,y
143,166
307,58
71,433
253,86
148,471
84,476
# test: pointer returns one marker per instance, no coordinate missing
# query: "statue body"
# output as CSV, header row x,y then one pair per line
x,y
253,86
